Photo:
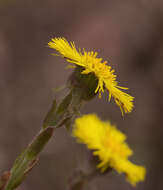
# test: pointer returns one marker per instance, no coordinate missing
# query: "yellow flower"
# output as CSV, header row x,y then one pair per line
x,y
92,64
109,145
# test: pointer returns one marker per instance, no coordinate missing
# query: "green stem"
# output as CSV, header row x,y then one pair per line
x,y
27,159
56,117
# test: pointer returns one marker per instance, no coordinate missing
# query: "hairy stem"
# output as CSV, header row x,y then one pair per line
x,y
27,159
56,117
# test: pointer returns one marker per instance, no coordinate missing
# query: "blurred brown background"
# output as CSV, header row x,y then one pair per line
x,y
128,33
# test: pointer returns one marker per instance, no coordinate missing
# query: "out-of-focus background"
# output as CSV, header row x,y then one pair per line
x,y
129,34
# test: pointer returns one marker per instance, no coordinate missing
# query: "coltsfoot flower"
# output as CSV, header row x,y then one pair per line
x,y
108,143
92,64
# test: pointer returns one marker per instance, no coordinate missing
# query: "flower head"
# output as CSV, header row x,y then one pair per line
x,y
109,145
92,64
